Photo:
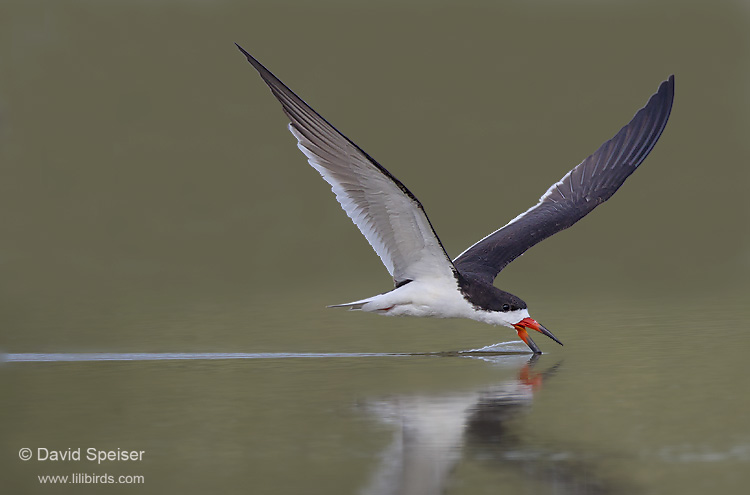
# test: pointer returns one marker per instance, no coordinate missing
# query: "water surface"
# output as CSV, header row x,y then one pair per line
x,y
167,255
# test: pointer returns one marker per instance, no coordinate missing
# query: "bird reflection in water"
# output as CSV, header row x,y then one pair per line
x,y
435,432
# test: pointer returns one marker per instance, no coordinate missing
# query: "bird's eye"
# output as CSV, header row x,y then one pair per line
x,y
506,307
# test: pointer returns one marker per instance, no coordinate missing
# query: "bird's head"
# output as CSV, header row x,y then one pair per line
x,y
502,308
516,314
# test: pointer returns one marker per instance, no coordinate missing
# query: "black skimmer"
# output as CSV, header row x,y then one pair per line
x,y
394,222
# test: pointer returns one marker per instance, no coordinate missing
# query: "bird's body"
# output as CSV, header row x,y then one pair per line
x,y
427,282
438,298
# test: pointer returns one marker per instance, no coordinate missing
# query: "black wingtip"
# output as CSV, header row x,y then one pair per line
x,y
665,93
244,52
264,73
668,88
670,82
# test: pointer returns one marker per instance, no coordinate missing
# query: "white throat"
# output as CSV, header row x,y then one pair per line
x,y
506,318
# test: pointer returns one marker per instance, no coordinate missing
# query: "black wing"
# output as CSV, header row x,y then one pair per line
x,y
581,190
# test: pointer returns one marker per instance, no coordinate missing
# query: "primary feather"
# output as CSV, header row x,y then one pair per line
x,y
588,185
389,216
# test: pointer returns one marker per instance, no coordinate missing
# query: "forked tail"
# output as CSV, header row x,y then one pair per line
x,y
353,306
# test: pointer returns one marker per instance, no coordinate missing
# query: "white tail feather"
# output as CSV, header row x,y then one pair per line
x,y
353,306
356,305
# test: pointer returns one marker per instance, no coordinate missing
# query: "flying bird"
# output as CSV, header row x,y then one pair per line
x,y
426,281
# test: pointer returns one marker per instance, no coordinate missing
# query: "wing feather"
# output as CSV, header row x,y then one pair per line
x,y
389,216
581,190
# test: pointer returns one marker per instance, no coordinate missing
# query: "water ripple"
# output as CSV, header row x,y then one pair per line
x,y
172,356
